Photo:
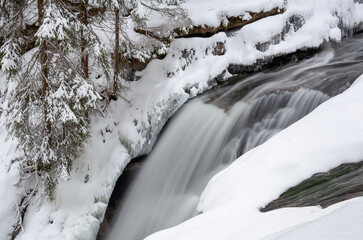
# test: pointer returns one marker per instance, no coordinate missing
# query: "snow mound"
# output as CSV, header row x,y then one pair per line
x,y
217,11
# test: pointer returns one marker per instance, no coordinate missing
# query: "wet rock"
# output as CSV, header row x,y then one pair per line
x,y
130,66
219,49
324,189
271,62
293,23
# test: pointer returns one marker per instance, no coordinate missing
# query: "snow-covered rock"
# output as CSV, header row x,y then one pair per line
x,y
8,192
204,20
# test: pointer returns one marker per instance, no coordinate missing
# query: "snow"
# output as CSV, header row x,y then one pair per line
x,y
343,223
127,130
8,177
213,14
329,136
334,223
216,11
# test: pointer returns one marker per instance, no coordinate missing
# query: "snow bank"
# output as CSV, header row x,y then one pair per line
x,y
305,24
212,15
337,222
343,223
216,12
8,193
329,136
129,129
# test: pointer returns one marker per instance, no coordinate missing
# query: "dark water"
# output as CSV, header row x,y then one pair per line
x,y
211,131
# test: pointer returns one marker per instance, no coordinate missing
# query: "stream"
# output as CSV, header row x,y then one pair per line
x,y
212,130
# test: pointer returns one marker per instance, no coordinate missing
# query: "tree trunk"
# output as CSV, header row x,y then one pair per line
x,y
84,19
43,64
117,53
43,48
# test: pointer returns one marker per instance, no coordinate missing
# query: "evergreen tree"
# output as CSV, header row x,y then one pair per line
x,y
122,9
90,43
48,109
11,17
51,93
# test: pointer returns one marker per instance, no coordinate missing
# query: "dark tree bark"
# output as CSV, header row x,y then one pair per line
x,y
116,53
43,48
84,19
43,64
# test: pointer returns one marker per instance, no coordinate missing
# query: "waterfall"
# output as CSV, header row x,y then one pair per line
x,y
211,131
201,140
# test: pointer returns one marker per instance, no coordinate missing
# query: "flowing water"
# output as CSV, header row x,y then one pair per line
x,y
211,131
